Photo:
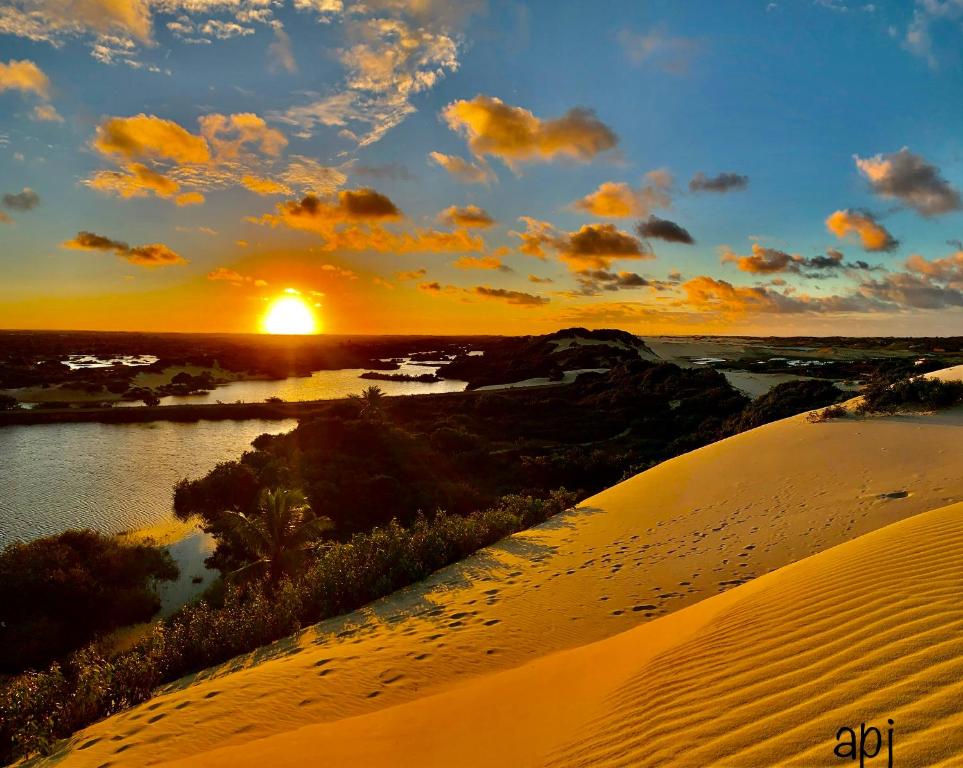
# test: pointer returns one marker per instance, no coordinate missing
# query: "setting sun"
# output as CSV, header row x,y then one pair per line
x,y
289,315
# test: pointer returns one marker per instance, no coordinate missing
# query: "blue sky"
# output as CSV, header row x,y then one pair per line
x,y
785,96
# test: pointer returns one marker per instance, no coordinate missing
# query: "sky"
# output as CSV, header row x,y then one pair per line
x,y
416,166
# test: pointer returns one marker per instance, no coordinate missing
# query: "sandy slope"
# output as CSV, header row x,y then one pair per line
x,y
670,537
764,675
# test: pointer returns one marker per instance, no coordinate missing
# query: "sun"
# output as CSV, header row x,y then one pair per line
x,y
289,315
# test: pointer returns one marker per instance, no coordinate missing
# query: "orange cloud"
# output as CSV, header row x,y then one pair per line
x,y
263,186
470,173
468,216
137,180
482,262
519,298
148,137
596,246
189,198
515,135
150,255
872,235
619,200
24,76
229,134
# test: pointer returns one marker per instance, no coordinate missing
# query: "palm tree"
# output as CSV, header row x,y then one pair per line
x,y
372,400
280,531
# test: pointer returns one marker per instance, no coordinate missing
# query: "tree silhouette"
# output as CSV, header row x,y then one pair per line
x,y
279,532
372,401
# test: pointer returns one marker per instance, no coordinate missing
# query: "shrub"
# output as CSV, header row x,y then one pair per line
x,y
832,412
37,708
58,593
883,395
784,400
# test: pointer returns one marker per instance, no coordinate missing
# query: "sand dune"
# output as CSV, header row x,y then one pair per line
x,y
764,675
386,677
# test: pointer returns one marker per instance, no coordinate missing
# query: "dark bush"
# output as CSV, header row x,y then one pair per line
x,y
885,396
60,592
784,400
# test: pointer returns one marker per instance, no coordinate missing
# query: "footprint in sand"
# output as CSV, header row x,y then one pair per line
x,y
894,495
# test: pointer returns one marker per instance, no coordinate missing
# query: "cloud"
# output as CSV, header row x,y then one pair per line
x,y
947,270
762,261
467,216
470,173
619,200
51,20
229,135
136,180
362,204
224,274
24,76
591,282
912,291
519,298
663,229
671,54
918,39
413,274
430,287
46,113
353,219
262,186
593,246
189,198
722,183
150,255
515,135
910,179
308,175
596,246
537,237
147,137
387,63
539,280
871,234
482,262
25,200
766,261
706,294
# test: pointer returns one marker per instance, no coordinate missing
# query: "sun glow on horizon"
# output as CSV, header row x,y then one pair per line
x,y
289,314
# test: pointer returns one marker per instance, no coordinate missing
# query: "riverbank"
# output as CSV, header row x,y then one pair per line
x,y
206,412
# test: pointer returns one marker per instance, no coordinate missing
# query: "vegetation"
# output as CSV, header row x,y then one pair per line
x,y
37,708
883,395
784,400
8,403
60,592
278,535
827,414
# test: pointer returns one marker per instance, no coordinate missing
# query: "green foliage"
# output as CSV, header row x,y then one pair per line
x,y
883,395
38,708
60,592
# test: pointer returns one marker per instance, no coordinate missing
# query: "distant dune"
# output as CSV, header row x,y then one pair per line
x,y
520,655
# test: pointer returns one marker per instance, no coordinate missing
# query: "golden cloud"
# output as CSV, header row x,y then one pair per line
x,y
150,255
596,246
137,180
467,216
147,137
229,135
616,200
24,76
263,186
482,262
872,235
224,274
461,169
519,298
515,135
